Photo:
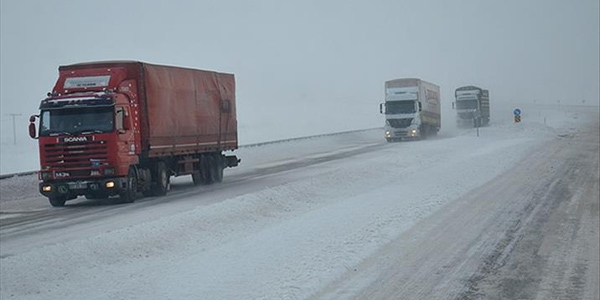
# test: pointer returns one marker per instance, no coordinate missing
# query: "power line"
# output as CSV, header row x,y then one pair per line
x,y
13,115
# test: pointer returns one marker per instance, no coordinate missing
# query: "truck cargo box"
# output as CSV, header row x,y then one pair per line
x,y
182,110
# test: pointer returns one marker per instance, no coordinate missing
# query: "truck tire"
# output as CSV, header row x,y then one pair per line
x,y
57,201
208,169
197,178
424,132
161,185
129,195
218,169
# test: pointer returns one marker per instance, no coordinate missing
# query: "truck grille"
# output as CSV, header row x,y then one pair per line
x,y
76,155
399,123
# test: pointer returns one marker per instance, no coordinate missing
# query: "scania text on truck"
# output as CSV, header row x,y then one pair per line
x,y
124,127
472,106
411,108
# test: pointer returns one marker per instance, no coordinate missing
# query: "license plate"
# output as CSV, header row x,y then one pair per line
x,y
78,186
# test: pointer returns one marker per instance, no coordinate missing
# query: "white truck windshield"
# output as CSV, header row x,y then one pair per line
x,y
400,107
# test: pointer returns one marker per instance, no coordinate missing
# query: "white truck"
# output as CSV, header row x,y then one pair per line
x,y
411,108
472,106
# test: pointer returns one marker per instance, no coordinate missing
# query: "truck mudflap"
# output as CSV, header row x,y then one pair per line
x,y
232,161
72,189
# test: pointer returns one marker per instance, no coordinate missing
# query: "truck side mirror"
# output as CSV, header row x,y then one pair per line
x,y
32,131
381,108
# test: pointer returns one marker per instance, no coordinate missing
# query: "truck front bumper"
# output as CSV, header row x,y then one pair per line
x,y
396,135
74,188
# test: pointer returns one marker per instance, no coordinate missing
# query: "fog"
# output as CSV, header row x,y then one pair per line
x,y
308,67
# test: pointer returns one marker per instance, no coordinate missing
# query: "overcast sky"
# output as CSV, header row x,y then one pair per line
x,y
312,56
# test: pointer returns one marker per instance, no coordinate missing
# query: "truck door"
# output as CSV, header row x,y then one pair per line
x,y
126,148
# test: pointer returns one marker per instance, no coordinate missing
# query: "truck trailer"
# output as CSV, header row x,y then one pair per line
x,y
123,128
472,106
411,108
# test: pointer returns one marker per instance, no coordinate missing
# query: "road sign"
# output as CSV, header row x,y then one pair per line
x,y
517,118
517,112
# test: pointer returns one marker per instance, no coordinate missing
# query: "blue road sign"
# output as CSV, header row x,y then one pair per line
x,y
517,112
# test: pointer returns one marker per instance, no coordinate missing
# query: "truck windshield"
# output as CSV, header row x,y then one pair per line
x,y
466,104
76,121
400,107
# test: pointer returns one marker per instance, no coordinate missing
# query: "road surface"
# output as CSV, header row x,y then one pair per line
x,y
531,233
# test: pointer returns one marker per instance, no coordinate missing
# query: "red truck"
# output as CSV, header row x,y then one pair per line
x,y
124,127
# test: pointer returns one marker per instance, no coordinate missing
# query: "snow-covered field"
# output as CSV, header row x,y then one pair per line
x,y
23,156
270,235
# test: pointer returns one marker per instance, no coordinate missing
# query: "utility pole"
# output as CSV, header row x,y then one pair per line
x,y
13,115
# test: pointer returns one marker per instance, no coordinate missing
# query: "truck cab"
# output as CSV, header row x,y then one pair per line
x,y
401,109
411,108
86,138
472,106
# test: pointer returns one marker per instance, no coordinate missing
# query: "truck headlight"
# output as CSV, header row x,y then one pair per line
x,y
47,188
388,134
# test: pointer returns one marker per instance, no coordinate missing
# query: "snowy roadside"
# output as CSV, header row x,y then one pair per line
x,y
282,241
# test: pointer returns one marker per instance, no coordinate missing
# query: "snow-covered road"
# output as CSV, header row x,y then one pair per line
x,y
334,217
531,233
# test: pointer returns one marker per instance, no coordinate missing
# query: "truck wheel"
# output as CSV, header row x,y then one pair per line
x,y
197,178
128,196
160,186
57,201
147,193
424,132
218,169
208,170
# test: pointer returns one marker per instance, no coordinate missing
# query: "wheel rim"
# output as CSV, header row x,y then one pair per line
x,y
133,185
163,178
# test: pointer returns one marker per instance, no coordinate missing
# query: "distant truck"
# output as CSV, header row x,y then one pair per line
x,y
124,127
411,108
472,106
